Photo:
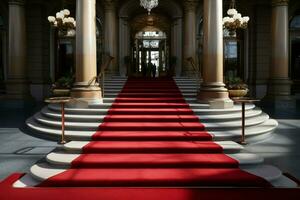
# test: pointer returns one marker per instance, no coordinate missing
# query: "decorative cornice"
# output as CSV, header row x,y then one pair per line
x,y
190,5
280,2
110,4
16,2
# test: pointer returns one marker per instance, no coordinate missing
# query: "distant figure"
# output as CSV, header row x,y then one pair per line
x,y
153,70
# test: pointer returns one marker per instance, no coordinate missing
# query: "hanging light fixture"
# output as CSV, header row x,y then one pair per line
x,y
66,25
234,20
149,4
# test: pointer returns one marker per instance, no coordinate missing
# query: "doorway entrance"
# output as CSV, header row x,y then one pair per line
x,y
151,54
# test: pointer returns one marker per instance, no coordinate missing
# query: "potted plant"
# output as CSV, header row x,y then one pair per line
x,y
236,87
62,87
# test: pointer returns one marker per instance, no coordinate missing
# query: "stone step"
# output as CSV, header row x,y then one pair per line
x,y
56,114
90,121
253,134
204,109
29,181
74,121
44,171
236,124
151,146
154,160
108,94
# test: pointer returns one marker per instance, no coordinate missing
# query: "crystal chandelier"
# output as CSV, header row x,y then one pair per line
x,y
149,4
66,25
234,20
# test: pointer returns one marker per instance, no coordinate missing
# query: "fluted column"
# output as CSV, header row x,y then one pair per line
x,y
280,84
86,54
213,87
110,34
17,85
189,35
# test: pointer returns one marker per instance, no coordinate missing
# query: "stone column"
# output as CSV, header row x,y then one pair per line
x,y
124,45
189,35
17,86
86,55
213,87
280,84
110,34
176,46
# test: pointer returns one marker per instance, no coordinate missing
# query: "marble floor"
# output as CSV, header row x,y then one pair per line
x,y
18,151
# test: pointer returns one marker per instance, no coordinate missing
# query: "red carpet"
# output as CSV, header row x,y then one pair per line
x,y
151,138
92,193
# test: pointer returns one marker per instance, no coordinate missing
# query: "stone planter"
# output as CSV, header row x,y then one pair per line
x,y
238,93
63,92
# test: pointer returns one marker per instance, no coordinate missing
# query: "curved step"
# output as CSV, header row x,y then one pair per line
x,y
119,126
209,111
153,160
252,133
269,172
99,118
236,124
72,117
230,116
99,111
55,133
90,126
183,176
153,147
46,132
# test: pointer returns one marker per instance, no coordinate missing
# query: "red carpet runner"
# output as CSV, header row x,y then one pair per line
x,y
152,138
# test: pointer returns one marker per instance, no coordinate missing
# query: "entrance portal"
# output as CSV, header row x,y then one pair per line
x,y
151,54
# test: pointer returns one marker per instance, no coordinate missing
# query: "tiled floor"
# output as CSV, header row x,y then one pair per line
x,y
18,151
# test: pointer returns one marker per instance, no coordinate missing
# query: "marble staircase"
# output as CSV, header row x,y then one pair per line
x,y
223,124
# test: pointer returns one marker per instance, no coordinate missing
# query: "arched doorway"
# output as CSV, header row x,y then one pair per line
x,y
295,53
151,52
150,45
166,18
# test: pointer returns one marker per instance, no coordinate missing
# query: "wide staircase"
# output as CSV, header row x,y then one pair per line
x,y
222,124
148,134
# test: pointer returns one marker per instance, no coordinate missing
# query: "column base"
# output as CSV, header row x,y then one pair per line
x,y
279,87
215,94
87,93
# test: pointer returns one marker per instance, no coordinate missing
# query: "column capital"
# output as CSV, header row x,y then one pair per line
x,y
280,3
16,2
110,4
190,5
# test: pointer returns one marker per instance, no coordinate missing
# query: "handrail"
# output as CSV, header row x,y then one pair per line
x,y
100,77
197,71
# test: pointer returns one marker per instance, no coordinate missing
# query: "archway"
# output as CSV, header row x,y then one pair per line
x,y
129,12
151,53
